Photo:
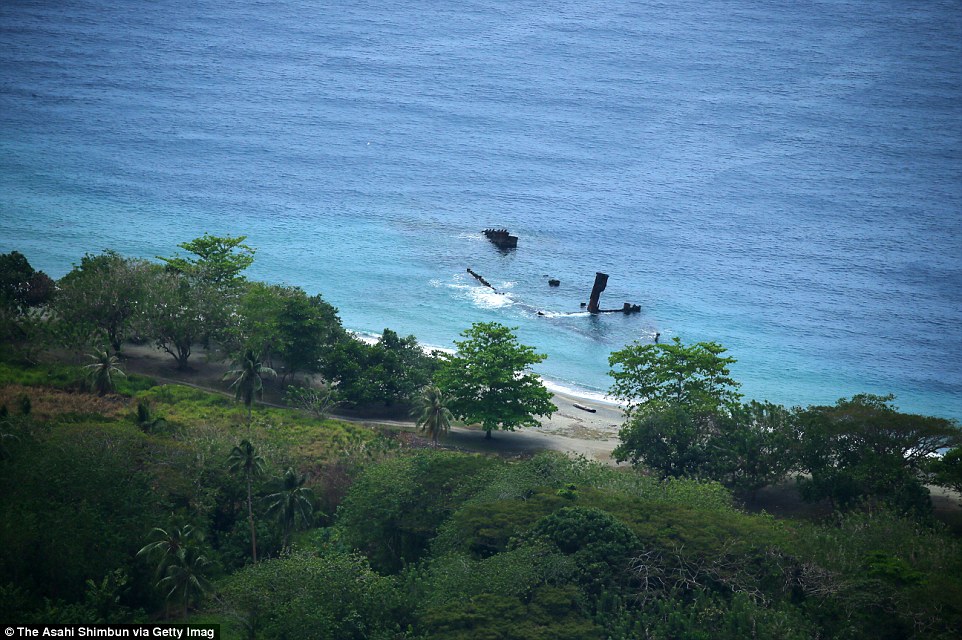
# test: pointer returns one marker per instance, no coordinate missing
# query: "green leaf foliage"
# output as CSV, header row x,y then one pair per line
x,y
432,412
214,260
879,575
334,597
550,613
391,371
20,284
489,380
285,323
947,470
746,447
864,449
76,499
446,580
599,544
395,507
106,296
673,442
652,377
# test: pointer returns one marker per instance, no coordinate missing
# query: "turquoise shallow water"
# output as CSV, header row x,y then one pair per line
x,y
784,178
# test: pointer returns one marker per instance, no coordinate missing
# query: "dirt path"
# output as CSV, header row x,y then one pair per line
x,y
569,430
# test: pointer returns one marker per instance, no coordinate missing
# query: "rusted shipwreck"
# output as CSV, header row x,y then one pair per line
x,y
501,238
601,281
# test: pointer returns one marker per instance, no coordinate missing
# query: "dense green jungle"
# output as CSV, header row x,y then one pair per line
x,y
136,498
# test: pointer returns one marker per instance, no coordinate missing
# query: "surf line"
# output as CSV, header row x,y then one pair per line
x,y
526,307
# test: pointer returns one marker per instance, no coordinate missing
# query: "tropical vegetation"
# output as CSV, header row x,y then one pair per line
x,y
123,499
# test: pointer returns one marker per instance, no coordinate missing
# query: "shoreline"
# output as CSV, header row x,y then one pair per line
x,y
571,422
569,429
592,397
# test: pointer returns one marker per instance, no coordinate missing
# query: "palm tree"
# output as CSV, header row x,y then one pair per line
x,y
434,417
185,577
244,457
168,544
292,501
248,379
102,370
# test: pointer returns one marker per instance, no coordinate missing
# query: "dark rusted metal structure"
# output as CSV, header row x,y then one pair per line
x,y
601,281
501,238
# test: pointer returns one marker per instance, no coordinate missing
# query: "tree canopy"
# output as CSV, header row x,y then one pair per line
x,y
863,448
106,294
216,260
391,371
20,283
490,382
653,376
285,322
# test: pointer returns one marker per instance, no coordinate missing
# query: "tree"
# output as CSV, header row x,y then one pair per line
x,y
600,544
391,371
217,261
307,328
395,507
167,545
291,503
185,577
864,449
20,284
197,299
105,294
745,448
248,374
674,442
244,457
102,370
15,273
286,323
24,331
755,447
947,470
23,293
489,380
434,416
306,596
317,402
653,376
182,314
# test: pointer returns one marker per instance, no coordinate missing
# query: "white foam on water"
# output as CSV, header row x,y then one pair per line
x,y
553,386
565,314
366,337
582,394
481,296
369,337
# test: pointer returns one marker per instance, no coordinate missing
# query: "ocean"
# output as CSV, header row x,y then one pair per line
x,y
784,178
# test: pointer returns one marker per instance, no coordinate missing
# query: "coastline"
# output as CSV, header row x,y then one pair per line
x,y
568,430
571,422
569,390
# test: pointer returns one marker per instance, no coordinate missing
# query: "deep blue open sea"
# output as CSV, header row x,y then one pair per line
x,y
781,177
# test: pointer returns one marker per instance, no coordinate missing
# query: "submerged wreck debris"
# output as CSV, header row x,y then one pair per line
x,y
481,279
501,238
601,281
